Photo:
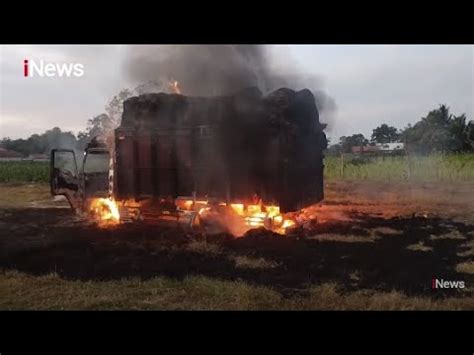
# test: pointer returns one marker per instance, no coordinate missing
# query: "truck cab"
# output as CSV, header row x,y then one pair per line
x,y
79,183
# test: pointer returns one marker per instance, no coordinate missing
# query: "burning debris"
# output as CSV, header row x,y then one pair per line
x,y
238,218
105,211
174,87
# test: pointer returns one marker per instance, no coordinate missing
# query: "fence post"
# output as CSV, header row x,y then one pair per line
x,y
342,165
407,154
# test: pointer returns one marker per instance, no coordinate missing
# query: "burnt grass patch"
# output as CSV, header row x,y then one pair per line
x,y
43,241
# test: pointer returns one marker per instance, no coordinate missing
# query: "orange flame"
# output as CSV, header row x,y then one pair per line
x,y
239,217
287,223
174,85
105,210
258,215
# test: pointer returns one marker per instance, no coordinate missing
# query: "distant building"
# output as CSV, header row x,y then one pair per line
x,y
6,154
390,147
365,149
378,148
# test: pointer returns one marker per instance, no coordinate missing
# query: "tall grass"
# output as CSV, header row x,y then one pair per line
x,y
435,167
24,171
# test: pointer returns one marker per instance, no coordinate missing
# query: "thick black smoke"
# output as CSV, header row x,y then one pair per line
x,y
210,70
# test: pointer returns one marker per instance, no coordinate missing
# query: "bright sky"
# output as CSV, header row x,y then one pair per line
x,y
371,84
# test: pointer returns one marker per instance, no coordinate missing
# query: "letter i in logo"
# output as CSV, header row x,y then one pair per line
x,y
25,67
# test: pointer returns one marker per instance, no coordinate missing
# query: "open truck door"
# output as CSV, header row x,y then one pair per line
x,y
64,177
96,172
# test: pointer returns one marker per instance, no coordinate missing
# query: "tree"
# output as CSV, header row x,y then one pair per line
x,y
439,131
470,135
334,149
460,132
385,134
103,125
41,143
99,126
356,140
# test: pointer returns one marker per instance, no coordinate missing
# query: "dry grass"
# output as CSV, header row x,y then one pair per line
x,y
420,246
19,291
20,195
204,247
451,235
348,238
248,262
404,198
467,267
329,297
22,291
385,231
468,248
241,261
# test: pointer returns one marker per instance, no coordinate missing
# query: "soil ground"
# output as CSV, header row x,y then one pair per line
x,y
381,238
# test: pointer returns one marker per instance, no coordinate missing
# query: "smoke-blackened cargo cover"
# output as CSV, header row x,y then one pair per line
x,y
228,147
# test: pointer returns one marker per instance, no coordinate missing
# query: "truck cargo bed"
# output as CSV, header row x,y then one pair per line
x,y
229,148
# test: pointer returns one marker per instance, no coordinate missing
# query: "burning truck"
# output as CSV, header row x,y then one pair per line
x,y
240,161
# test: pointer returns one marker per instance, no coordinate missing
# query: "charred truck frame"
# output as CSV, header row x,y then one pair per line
x,y
174,154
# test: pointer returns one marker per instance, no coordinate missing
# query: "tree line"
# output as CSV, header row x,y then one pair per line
x,y
99,126
439,131
56,138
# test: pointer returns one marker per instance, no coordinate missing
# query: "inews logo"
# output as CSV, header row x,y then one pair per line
x,y
40,68
440,283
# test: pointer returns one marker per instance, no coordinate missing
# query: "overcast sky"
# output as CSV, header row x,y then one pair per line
x,y
369,84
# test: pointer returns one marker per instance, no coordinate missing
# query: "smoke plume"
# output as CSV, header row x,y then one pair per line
x,y
210,70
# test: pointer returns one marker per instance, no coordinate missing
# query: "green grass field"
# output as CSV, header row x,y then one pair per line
x,y
19,291
435,167
24,171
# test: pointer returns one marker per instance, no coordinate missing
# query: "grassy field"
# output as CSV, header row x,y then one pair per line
x,y
50,260
432,168
24,171
20,291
